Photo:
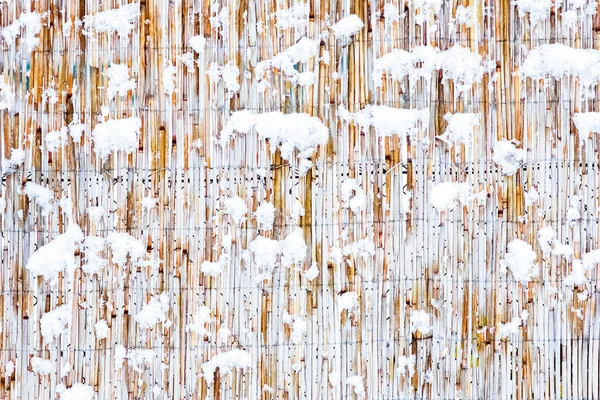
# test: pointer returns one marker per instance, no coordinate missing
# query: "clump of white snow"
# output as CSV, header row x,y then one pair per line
x,y
445,195
236,208
149,202
353,196
41,366
55,323
42,196
66,369
265,251
265,215
92,246
186,59
198,43
312,273
563,250
68,27
137,359
50,95
11,32
357,384
587,123
169,78
457,63
220,19
464,16
576,12
66,205
293,248
116,135
296,210
507,156
363,248
460,127
223,335
509,328
538,10
347,27
241,121
119,356
56,139
118,80
461,66
573,214
213,268
406,365
420,321
225,362
7,94
78,392
201,318
9,369
286,61
569,19
558,61
427,9
101,329
31,22
577,276
391,14
531,196
520,260
297,325
387,121
120,20
154,312
334,378
347,301
96,213
56,256
546,239
294,17
591,258
306,78
17,157
287,132
122,245
76,130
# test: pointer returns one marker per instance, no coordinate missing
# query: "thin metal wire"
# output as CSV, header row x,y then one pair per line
x,y
300,106
447,41
454,340
244,227
260,287
486,164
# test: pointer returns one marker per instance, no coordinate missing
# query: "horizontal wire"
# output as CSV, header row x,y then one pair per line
x,y
484,164
94,47
270,108
245,227
290,108
174,290
408,340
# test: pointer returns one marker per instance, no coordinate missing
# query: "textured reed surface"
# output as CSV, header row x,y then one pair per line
x,y
447,264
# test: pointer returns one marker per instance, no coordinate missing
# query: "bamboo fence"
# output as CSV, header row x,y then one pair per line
x,y
447,264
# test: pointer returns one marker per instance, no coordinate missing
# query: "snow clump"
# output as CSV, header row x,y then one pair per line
x,y
347,27
520,260
225,362
56,256
508,157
